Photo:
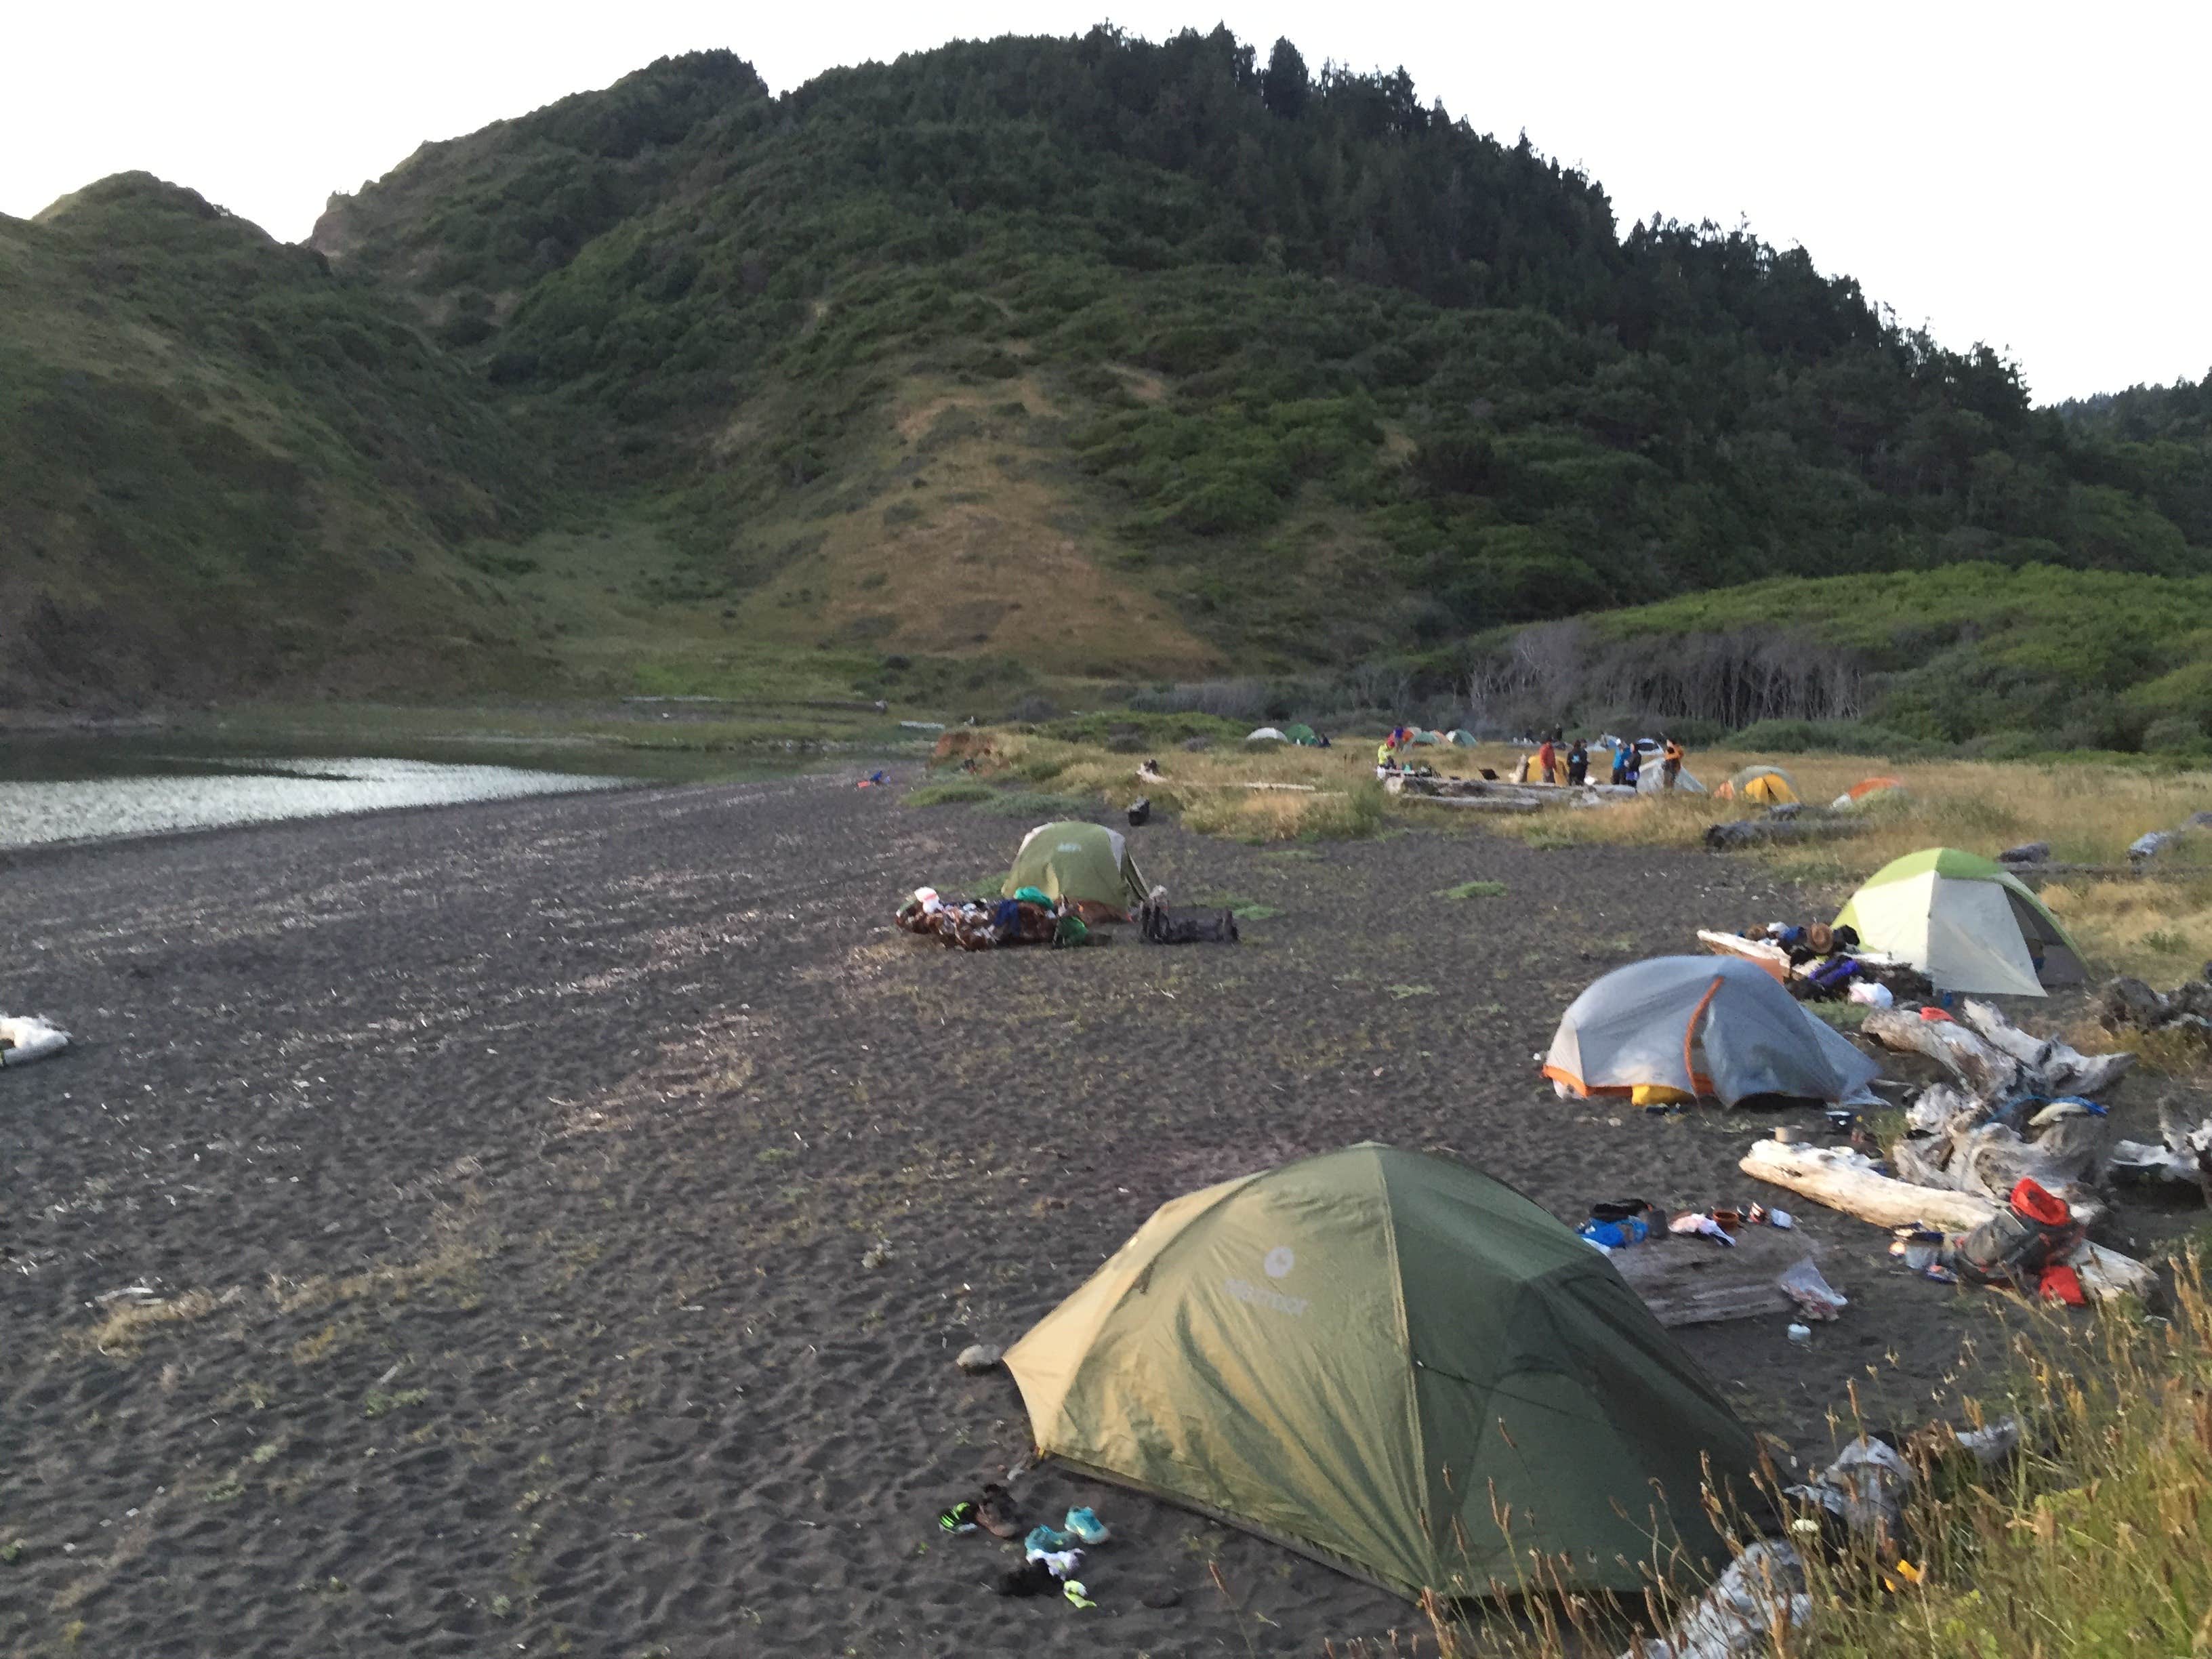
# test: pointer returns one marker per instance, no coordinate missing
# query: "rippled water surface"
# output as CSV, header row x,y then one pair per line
x,y
144,793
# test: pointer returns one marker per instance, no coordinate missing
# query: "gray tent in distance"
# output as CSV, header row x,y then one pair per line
x,y
1681,1026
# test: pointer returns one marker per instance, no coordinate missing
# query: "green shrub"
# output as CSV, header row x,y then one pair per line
x,y
1152,730
1803,736
2175,735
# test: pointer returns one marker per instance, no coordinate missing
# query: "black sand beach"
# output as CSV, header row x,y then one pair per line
x,y
564,1213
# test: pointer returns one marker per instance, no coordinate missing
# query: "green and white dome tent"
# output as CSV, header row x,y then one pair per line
x,y
1967,922
1069,859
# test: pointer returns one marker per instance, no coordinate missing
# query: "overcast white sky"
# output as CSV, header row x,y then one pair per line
x,y
2037,177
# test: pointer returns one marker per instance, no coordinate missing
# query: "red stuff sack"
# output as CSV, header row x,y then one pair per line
x,y
2062,1284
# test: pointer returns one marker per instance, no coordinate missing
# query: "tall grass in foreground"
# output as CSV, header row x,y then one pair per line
x,y
2091,1542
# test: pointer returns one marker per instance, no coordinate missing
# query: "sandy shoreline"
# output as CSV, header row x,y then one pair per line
x,y
513,1167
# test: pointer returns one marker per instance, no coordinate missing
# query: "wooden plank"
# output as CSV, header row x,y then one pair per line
x,y
1695,1281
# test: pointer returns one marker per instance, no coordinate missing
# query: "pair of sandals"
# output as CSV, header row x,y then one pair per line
x,y
993,1510
1051,1553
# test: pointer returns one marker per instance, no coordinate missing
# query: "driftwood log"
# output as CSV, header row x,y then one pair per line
x,y
2184,1156
2105,871
1757,832
1972,1135
2129,1005
1496,795
1842,1181
1989,1159
2053,1068
1988,1074
1480,803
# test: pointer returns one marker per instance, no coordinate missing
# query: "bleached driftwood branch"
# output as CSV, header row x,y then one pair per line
x,y
2185,1156
1845,1180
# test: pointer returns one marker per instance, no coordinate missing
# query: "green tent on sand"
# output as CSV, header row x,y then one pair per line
x,y
1369,1357
1078,860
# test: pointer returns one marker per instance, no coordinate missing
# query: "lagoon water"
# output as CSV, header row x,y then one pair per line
x,y
164,793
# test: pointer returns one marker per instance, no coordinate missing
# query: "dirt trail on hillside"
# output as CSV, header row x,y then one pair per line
x,y
556,1220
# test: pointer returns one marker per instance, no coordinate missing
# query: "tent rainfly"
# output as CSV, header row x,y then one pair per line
x,y
1370,1357
1768,785
1684,1026
1072,860
1864,790
1651,781
1302,734
1967,922
1267,735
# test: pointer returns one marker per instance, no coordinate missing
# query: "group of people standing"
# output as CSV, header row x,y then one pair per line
x,y
1557,761
1572,766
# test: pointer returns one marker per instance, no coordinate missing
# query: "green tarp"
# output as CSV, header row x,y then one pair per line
x,y
1076,860
1369,1356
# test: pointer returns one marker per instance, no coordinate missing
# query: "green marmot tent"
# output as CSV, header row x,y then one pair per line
x,y
1967,922
1076,860
1370,1355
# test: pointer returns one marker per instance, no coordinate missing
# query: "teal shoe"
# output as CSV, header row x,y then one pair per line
x,y
1045,1541
1087,1527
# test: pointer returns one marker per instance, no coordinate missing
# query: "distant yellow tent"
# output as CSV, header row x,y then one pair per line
x,y
1768,785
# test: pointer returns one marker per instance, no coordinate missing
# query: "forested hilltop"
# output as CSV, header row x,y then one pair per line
x,y
1105,357
220,469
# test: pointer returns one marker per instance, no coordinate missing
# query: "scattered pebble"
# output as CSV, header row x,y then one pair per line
x,y
978,1357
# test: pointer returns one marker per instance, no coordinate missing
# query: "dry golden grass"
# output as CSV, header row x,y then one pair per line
x,y
127,1321
2089,813
2160,928
1309,792
963,549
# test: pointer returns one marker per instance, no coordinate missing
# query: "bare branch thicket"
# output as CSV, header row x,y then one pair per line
x,y
1557,673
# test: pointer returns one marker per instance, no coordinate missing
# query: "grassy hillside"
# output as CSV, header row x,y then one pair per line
x,y
1282,369
1090,359
224,467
